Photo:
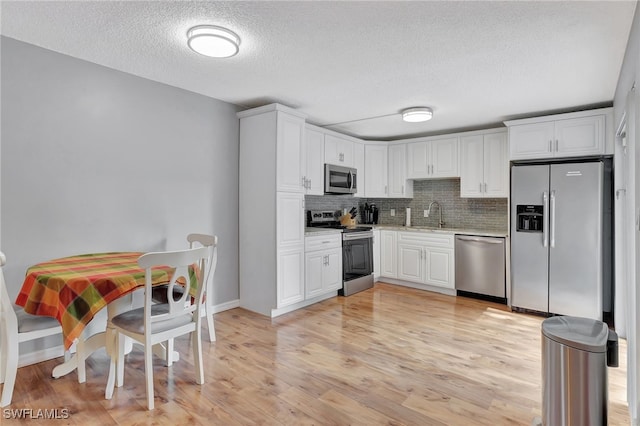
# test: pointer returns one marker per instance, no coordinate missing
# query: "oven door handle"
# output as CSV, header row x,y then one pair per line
x,y
348,236
349,180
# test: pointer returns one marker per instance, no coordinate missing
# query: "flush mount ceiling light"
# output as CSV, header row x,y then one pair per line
x,y
213,41
417,115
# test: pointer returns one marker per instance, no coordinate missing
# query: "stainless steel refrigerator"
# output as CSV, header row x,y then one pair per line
x,y
558,238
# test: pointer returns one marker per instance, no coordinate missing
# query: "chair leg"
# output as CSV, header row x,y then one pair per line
x,y
111,379
80,359
210,326
3,358
11,369
120,344
196,340
148,374
169,354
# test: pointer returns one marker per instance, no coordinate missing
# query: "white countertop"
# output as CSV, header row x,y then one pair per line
x,y
320,231
463,231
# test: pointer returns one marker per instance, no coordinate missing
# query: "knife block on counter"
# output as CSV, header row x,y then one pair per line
x,y
347,221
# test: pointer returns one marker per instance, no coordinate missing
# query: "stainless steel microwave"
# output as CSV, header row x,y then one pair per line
x,y
340,179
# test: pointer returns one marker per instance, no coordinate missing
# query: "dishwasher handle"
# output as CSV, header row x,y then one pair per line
x,y
488,240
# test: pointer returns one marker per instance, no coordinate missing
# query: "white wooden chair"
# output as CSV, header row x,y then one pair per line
x,y
17,326
161,322
200,240
208,241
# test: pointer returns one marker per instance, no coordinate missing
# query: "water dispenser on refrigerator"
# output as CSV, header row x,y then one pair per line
x,y
530,218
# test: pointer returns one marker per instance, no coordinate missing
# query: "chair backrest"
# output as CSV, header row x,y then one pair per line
x,y
211,241
183,261
8,317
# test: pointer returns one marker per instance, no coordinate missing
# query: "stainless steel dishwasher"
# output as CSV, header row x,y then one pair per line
x,y
480,267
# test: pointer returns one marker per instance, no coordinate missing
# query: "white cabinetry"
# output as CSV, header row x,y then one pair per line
x,y
376,254
272,163
375,169
291,158
426,258
399,186
358,163
484,166
433,158
388,254
314,177
338,151
565,135
323,265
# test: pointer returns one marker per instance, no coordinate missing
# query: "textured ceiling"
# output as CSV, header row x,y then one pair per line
x,y
475,63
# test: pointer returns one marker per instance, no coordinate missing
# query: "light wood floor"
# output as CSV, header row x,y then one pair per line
x,y
391,355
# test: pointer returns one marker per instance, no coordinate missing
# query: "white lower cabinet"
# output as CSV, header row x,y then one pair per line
x,y
323,265
424,258
290,276
376,254
388,254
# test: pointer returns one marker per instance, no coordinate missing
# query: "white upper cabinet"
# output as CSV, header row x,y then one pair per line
x,y
437,158
399,186
358,163
375,170
484,166
565,135
338,151
314,178
290,151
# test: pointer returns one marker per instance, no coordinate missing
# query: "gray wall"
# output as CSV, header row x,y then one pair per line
x,y
627,300
470,213
98,160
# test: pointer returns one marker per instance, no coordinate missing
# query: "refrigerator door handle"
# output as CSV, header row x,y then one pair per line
x,y
553,220
545,214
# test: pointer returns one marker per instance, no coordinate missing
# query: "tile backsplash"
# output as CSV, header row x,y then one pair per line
x,y
471,213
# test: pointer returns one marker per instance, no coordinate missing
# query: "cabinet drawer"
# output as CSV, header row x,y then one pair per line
x,y
430,239
322,242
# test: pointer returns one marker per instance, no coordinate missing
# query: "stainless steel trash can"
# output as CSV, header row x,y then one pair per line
x,y
575,355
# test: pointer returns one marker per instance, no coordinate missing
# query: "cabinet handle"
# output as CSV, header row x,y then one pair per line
x,y
304,182
403,189
308,183
385,189
556,145
550,145
485,187
480,187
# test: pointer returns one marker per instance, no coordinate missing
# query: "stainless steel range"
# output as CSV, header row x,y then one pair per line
x,y
357,250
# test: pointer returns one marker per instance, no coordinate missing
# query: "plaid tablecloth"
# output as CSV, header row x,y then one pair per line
x,y
72,289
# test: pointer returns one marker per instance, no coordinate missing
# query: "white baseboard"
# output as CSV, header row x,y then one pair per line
x,y
42,355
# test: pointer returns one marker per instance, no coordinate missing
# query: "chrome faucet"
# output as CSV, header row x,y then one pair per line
x,y
440,222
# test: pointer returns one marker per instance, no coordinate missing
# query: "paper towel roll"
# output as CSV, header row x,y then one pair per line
x,y
408,217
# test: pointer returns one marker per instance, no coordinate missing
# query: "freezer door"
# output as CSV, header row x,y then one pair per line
x,y
529,252
575,240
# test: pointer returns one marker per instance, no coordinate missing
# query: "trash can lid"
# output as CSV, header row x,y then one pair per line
x,y
580,333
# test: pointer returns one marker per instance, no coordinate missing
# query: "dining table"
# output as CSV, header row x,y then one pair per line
x,y
75,289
